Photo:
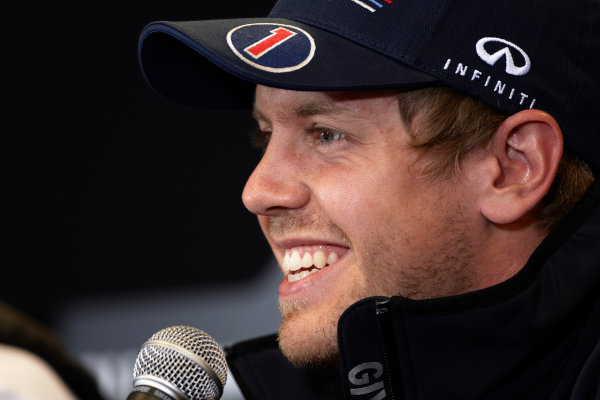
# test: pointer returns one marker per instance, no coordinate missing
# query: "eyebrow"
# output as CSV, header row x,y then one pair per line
x,y
303,110
316,108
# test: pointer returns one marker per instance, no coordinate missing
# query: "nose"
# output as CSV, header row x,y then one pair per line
x,y
276,185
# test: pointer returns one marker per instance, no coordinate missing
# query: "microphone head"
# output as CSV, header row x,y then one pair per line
x,y
184,362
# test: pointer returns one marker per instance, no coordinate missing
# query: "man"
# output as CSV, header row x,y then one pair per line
x,y
427,187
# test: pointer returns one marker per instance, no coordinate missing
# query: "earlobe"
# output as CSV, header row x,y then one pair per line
x,y
527,148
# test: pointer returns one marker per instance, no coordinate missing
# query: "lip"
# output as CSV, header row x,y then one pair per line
x,y
286,244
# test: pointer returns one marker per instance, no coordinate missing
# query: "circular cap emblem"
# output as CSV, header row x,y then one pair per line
x,y
272,47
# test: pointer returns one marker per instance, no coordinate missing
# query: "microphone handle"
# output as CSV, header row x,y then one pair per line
x,y
143,392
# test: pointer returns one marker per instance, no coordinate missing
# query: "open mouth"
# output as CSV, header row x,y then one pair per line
x,y
300,262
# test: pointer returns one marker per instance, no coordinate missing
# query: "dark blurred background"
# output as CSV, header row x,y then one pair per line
x,y
112,191
111,187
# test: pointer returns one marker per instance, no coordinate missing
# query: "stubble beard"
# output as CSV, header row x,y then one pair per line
x,y
308,331
316,344
307,336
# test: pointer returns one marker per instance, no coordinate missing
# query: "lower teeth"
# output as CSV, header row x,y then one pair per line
x,y
300,275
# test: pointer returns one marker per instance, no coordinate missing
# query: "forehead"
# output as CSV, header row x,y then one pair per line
x,y
272,103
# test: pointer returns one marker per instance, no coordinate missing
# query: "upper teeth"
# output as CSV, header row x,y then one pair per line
x,y
297,259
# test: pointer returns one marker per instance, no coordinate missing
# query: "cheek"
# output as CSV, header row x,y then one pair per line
x,y
345,205
361,196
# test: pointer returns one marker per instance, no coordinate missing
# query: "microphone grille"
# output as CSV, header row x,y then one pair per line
x,y
185,359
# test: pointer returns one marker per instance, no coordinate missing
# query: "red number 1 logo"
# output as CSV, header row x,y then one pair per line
x,y
267,44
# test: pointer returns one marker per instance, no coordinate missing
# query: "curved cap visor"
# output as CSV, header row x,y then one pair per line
x,y
173,57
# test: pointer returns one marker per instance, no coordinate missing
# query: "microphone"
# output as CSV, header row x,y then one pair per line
x,y
179,363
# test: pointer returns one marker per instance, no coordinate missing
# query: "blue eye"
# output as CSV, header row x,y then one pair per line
x,y
329,135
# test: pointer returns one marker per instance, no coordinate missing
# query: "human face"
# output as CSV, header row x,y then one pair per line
x,y
338,186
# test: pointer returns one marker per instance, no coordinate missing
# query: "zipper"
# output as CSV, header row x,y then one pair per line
x,y
390,349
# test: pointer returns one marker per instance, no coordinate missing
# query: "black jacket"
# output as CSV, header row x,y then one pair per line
x,y
534,336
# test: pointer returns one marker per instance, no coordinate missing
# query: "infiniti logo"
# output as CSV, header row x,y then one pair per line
x,y
506,52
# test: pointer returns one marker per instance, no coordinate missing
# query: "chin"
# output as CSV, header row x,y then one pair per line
x,y
308,345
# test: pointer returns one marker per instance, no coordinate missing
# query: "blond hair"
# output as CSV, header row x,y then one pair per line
x,y
447,124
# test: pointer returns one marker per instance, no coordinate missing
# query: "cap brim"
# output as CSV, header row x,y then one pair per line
x,y
192,63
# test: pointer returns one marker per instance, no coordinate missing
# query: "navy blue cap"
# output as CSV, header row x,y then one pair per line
x,y
513,55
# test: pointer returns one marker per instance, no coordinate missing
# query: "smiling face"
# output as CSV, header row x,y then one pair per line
x,y
340,202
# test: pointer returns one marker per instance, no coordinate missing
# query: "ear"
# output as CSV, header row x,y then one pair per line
x,y
526,150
